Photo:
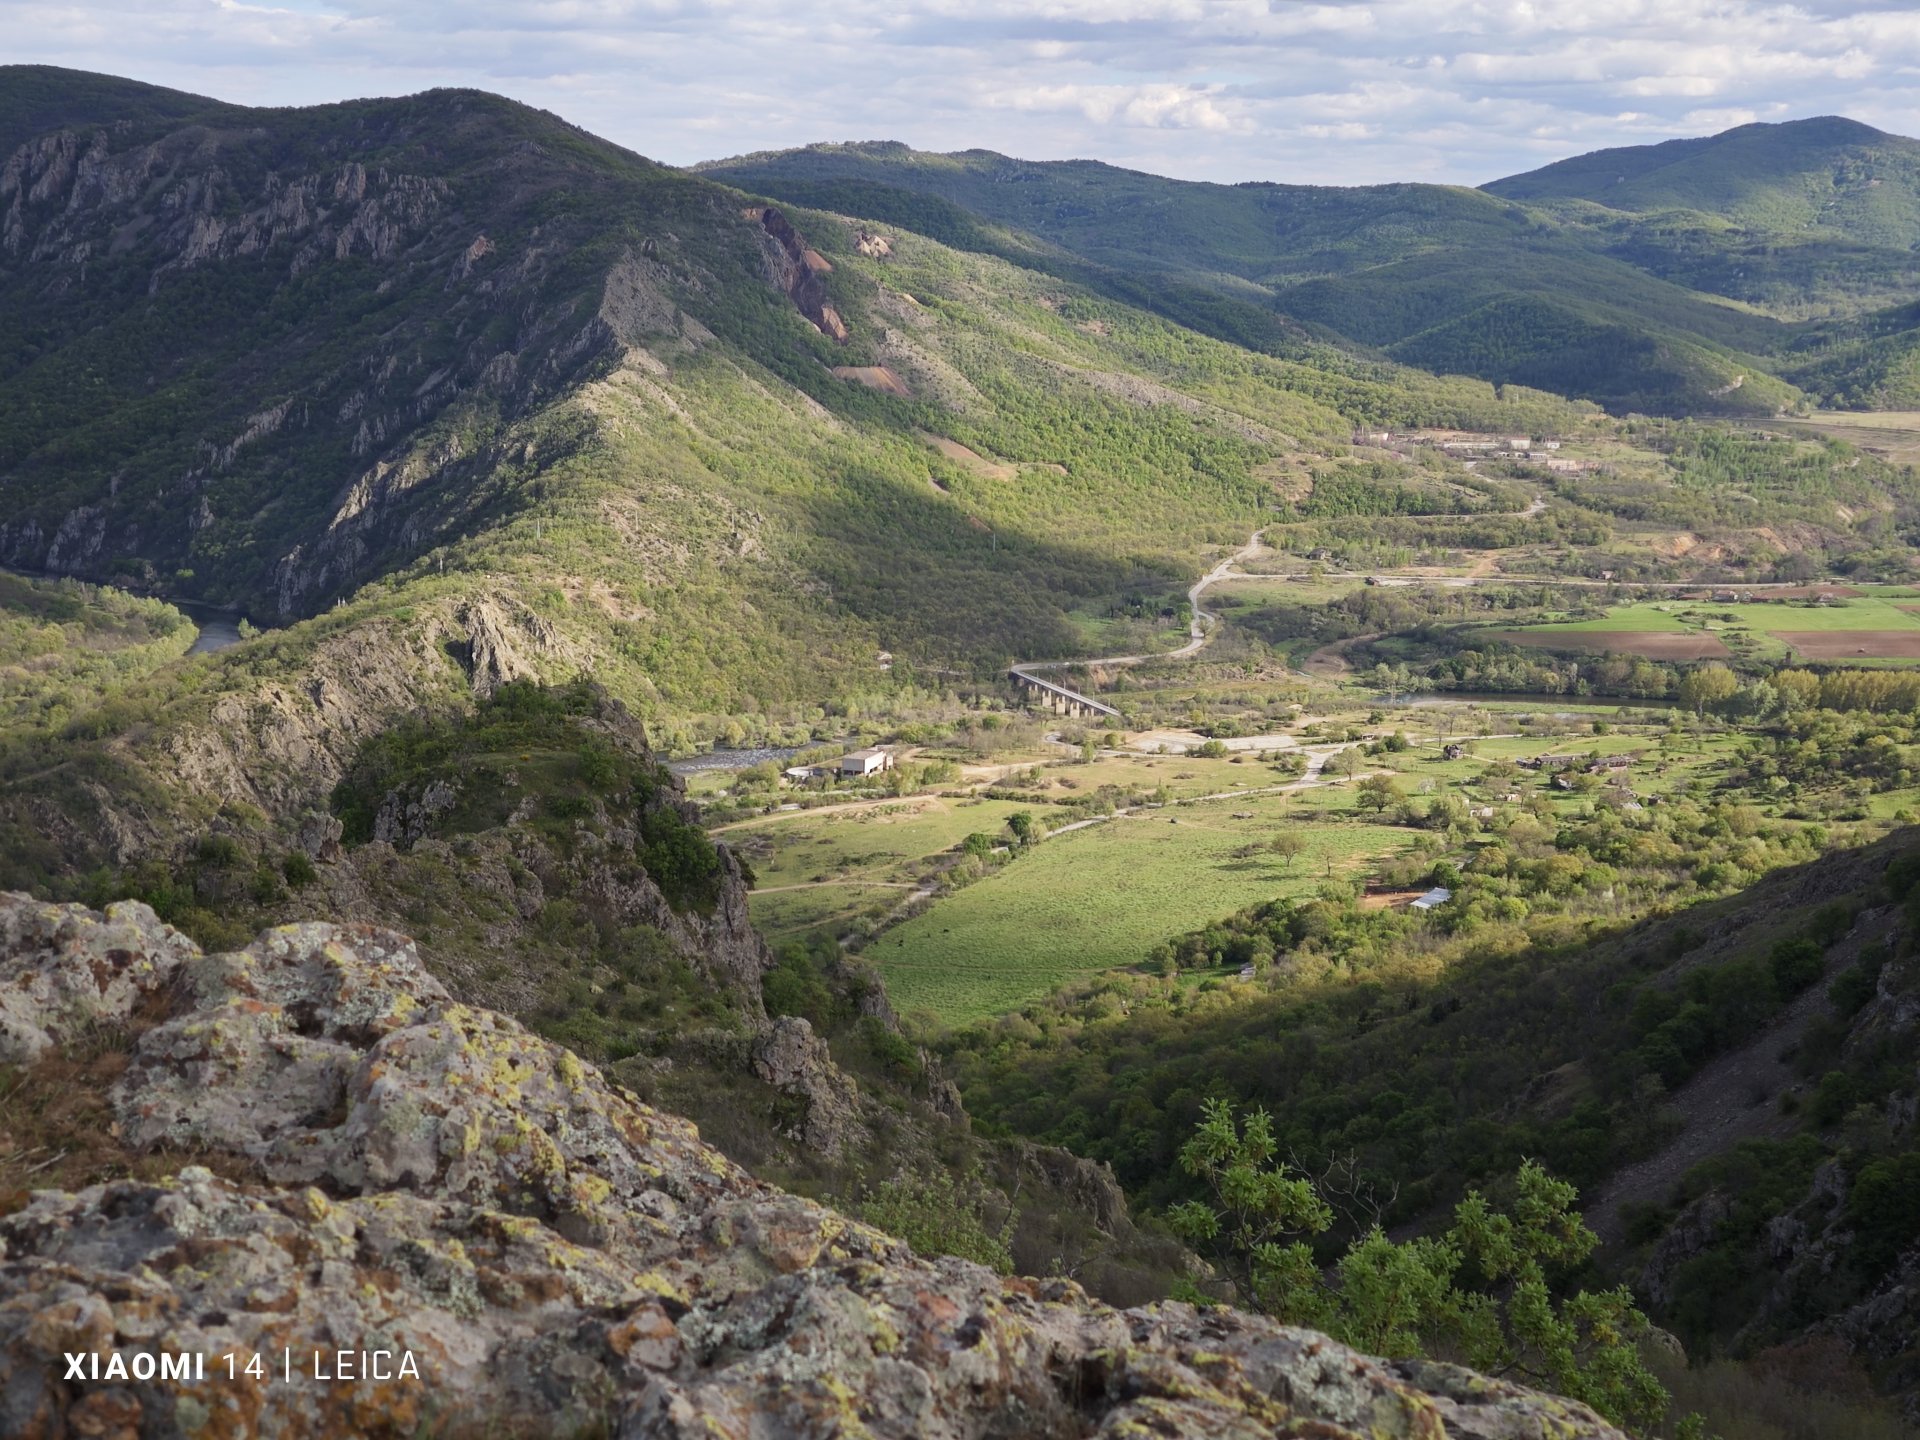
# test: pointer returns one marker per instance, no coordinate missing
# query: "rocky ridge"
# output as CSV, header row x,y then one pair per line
x,y
402,1173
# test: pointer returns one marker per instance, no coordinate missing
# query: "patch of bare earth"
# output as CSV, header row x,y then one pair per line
x,y
1330,662
1802,592
971,459
1853,644
874,377
1653,644
1387,899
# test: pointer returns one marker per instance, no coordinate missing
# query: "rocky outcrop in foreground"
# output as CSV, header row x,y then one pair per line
x,y
427,1220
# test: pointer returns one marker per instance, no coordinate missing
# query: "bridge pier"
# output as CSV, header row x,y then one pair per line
x,y
1060,700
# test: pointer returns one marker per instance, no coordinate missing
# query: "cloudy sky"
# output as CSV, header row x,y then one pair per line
x,y
1330,91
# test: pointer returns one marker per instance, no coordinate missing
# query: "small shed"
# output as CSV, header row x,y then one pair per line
x,y
1437,896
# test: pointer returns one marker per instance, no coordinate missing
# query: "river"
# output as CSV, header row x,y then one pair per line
x,y
734,759
216,627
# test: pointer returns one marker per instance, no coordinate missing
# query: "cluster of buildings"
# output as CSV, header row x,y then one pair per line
x,y
1477,445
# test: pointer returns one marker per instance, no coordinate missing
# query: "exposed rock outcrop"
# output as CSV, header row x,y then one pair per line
x,y
504,1243
796,1062
796,270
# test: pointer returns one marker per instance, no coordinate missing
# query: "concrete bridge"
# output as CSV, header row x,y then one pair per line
x,y
1059,699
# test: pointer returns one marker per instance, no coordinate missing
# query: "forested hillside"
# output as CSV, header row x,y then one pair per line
x,y
1606,276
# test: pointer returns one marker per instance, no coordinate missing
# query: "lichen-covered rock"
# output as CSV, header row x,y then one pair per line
x,y
63,967
454,1227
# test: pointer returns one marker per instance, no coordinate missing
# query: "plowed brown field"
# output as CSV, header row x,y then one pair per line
x,y
1654,644
1854,644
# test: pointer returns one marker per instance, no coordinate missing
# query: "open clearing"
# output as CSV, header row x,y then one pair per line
x,y
970,458
1892,433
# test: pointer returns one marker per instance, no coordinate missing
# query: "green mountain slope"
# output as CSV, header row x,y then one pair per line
x,y
1408,269
1808,218
1831,173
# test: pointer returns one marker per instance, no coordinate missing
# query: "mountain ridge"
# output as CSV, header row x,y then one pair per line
x,y
1647,307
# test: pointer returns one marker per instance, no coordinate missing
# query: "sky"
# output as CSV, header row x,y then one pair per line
x,y
1313,91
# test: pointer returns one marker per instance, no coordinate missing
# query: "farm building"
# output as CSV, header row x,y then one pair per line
x,y
861,763
1437,896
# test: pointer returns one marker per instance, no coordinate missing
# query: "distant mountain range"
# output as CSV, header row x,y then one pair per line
x,y
1760,269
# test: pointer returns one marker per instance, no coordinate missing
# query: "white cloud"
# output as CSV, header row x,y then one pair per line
x,y
1330,91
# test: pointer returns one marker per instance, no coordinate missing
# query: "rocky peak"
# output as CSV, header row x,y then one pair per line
x,y
465,1228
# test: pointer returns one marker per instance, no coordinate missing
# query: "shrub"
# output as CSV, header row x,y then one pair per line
x,y
1795,964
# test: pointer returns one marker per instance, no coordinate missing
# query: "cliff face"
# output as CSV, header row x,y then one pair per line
x,y
350,1162
310,334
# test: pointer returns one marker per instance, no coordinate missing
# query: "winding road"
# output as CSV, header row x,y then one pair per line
x,y
1200,628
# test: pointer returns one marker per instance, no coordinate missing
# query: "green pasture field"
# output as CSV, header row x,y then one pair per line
x,y
876,842
786,914
1184,776
851,861
1103,897
1619,617
1865,612
1661,770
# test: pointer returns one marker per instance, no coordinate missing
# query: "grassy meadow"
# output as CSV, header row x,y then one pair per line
x,y
1101,898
